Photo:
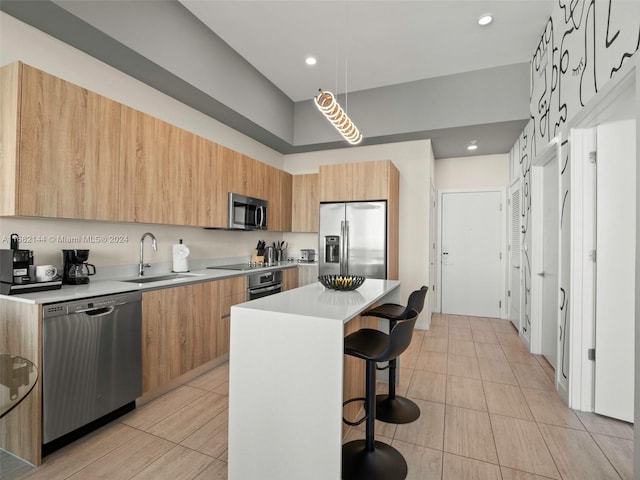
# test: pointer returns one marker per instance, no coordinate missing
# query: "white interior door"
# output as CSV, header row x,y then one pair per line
x,y
550,260
515,247
615,269
471,261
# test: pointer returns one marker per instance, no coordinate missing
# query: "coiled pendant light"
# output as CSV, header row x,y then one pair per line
x,y
327,104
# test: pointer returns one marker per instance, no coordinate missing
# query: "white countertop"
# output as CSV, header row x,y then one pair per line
x,y
108,287
316,301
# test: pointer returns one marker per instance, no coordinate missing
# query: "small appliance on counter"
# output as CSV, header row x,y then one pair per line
x,y
75,269
180,254
15,266
307,255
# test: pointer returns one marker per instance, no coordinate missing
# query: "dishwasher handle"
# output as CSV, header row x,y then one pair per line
x,y
97,312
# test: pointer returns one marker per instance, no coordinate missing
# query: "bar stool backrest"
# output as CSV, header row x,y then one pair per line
x,y
399,337
416,299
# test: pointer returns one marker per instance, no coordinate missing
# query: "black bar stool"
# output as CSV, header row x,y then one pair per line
x,y
391,408
369,459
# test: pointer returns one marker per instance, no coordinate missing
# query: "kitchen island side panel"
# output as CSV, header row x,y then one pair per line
x,y
286,373
284,367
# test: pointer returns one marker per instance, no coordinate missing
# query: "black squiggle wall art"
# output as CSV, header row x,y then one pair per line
x,y
582,46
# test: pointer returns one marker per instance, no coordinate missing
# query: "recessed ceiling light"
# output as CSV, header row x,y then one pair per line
x,y
485,20
310,61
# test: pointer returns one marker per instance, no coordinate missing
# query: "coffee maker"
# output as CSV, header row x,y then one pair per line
x,y
75,269
14,271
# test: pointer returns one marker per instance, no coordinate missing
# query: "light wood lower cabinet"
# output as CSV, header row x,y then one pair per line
x,y
178,331
186,327
20,429
289,278
232,292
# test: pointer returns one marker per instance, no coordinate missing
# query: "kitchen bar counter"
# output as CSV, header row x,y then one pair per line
x,y
286,380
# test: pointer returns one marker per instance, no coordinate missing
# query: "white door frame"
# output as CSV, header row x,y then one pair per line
x,y
503,234
582,301
515,185
551,151
432,252
612,98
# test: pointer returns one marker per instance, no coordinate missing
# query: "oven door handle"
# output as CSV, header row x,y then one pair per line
x,y
265,289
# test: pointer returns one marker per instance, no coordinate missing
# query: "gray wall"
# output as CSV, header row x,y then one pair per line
x,y
480,97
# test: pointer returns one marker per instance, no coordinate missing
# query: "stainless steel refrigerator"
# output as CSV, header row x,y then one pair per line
x,y
353,239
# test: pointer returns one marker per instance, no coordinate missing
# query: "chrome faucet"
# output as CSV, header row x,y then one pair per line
x,y
154,245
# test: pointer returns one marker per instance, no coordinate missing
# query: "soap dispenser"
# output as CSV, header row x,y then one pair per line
x,y
180,254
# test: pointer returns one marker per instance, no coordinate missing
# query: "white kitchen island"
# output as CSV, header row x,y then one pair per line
x,y
286,378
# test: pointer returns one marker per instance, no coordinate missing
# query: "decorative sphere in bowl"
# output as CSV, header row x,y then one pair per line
x,y
341,282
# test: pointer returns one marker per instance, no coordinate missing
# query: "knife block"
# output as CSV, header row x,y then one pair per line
x,y
255,258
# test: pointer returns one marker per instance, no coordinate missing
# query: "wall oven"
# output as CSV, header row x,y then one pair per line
x,y
263,284
247,213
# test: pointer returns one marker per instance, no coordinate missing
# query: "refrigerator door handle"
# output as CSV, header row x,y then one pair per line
x,y
344,248
342,244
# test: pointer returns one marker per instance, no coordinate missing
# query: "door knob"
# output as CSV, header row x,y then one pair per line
x,y
541,274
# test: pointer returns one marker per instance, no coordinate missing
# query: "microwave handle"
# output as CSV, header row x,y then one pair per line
x,y
261,221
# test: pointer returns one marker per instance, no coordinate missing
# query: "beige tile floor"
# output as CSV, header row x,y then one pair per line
x,y
489,411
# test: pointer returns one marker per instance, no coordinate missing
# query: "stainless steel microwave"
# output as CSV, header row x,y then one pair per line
x,y
247,213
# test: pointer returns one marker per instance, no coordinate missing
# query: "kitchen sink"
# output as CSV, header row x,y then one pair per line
x,y
162,278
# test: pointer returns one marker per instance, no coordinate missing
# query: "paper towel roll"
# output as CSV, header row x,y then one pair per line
x,y
180,254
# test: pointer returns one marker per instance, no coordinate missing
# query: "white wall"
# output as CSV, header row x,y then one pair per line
x,y
414,161
472,172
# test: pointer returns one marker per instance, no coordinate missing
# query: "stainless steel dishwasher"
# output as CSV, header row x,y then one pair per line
x,y
91,362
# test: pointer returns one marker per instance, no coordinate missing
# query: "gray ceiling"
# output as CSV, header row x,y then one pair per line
x,y
412,69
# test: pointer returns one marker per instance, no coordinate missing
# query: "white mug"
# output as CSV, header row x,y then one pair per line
x,y
45,273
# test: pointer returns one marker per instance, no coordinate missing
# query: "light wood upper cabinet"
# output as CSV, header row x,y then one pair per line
x,y
278,194
305,204
60,147
158,166
355,181
286,198
67,152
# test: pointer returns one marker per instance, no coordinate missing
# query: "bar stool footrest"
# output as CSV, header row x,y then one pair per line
x,y
385,367
396,410
356,422
383,463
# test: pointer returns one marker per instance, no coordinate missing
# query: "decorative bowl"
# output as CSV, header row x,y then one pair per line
x,y
341,282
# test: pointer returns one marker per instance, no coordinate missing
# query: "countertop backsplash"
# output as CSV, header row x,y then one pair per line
x,y
116,246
